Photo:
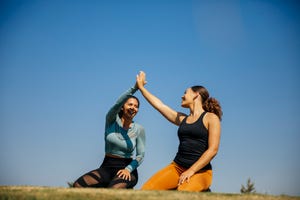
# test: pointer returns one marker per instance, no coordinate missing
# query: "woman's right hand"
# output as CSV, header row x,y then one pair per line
x,y
141,79
165,110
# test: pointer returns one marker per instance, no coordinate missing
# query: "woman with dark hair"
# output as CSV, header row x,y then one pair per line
x,y
123,136
199,138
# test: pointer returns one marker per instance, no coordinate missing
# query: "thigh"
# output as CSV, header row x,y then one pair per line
x,y
118,182
106,174
94,178
198,182
165,179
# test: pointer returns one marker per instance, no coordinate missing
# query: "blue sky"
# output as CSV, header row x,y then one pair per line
x,y
64,63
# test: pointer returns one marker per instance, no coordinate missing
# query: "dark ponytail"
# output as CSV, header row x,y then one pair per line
x,y
209,104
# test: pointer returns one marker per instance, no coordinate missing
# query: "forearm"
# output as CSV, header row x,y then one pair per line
x,y
204,160
156,103
140,151
214,132
117,106
153,100
135,163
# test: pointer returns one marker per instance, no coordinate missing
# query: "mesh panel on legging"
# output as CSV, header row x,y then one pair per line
x,y
91,179
118,182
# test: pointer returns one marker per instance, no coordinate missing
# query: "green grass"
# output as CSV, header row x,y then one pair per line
x,y
53,193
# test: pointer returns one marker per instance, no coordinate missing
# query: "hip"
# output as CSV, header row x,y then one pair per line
x,y
115,161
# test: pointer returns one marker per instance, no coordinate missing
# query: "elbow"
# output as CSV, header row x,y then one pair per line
x,y
213,152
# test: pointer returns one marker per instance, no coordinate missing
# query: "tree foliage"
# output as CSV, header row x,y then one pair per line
x,y
249,188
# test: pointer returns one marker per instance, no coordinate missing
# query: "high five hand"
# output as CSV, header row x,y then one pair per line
x,y
141,79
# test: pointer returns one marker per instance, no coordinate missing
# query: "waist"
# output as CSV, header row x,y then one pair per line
x,y
115,162
114,159
187,161
112,156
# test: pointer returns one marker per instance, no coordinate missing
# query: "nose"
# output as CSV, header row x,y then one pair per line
x,y
133,108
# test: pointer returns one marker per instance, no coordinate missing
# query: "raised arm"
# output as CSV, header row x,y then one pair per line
x,y
115,109
170,114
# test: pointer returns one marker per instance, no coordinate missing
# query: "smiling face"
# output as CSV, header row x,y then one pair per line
x,y
188,98
130,108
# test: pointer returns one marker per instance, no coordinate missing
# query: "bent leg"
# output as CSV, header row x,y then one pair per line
x,y
198,182
120,183
90,179
165,179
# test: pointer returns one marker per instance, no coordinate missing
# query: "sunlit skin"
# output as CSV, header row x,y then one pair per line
x,y
191,100
188,98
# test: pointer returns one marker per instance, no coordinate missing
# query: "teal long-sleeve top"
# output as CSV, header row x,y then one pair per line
x,y
122,142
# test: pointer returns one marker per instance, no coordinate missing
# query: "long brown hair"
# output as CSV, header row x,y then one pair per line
x,y
209,104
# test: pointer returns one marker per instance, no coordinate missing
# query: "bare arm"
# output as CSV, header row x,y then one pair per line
x,y
214,133
113,111
170,114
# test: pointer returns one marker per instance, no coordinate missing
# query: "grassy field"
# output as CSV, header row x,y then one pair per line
x,y
52,193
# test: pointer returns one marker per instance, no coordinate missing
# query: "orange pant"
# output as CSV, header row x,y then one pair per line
x,y
168,177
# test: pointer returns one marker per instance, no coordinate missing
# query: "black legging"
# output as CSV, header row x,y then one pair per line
x,y
106,175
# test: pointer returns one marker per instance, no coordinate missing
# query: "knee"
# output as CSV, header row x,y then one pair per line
x,y
148,186
76,185
119,186
193,187
145,187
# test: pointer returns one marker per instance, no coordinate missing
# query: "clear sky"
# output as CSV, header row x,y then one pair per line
x,y
63,64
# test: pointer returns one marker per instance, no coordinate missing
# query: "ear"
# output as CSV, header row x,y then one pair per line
x,y
197,95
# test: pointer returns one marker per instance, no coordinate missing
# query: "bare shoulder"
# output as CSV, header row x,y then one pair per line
x,y
179,117
210,118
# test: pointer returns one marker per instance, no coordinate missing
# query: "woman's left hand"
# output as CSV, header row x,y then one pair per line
x,y
124,174
185,176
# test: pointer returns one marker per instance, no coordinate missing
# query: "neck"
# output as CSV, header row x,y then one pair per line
x,y
196,109
126,123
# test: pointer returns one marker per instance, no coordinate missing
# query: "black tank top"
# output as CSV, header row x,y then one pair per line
x,y
193,142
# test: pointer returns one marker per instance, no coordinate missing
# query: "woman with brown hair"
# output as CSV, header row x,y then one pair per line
x,y
123,137
199,138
